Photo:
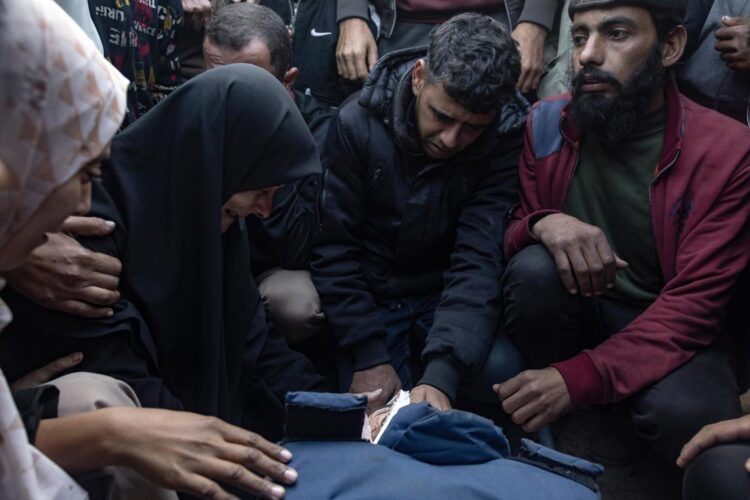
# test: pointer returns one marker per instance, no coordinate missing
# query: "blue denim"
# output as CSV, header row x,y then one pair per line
x,y
408,322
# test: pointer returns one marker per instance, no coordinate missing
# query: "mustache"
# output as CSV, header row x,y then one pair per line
x,y
589,74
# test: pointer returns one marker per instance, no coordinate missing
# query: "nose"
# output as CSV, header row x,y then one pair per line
x,y
264,204
592,52
449,136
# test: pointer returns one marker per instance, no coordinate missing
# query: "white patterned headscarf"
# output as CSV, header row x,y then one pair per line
x,y
61,103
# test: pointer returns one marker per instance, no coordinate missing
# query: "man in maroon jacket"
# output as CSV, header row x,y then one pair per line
x,y
631,230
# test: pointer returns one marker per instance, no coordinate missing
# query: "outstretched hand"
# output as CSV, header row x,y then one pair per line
x,y
193,453
382,377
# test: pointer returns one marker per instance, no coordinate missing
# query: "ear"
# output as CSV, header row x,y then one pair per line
x,y
418,76
290,77
674,47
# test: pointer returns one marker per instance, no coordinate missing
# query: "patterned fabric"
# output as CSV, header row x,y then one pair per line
x,y
60,103
25,473
139,39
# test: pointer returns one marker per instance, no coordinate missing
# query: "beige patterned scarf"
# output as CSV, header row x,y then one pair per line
x,y
60,105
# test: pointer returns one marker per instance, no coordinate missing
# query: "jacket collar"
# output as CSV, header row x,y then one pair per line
x,y
674,128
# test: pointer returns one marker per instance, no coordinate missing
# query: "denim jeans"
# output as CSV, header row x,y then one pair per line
x,y
408,322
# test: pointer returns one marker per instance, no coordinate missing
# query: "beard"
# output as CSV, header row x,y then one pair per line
x,y
615,117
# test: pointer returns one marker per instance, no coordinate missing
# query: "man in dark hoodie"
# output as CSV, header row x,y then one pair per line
x,y
418,177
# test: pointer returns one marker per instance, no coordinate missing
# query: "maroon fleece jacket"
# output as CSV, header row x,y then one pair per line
x,y
700,204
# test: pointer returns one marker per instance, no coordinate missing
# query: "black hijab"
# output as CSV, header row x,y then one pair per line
x,y
229,130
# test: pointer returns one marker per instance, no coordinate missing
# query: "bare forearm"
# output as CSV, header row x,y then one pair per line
x,y
79,443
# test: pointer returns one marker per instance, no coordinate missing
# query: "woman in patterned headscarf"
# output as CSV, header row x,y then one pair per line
x,y
61,103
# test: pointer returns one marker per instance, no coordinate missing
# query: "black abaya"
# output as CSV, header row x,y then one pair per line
x,y
230,130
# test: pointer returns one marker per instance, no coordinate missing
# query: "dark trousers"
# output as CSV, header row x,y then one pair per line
x,y
548,324
719,474
408,322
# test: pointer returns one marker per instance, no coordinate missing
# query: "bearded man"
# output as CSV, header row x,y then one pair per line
x,y
630,233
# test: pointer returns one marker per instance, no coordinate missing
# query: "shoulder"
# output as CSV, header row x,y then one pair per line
x,y
710,133
543,125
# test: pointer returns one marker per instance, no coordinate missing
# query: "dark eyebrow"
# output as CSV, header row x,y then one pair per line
x,y
440,113
609,23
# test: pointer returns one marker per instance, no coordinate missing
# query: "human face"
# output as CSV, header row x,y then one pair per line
x,y
445,127
609,45
255,53
258,202
72,197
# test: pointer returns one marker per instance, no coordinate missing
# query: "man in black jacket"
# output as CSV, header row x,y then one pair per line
x,y
418,177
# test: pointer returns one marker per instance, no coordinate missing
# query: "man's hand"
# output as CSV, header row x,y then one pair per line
x,y
530,38
428,394
728,431
48,372
197,12
534,398
65,276
584,259
356,51
733,42
378,377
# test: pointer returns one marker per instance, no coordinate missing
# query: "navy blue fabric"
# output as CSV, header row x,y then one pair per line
x,y
327,401
535,451
428,454
546,128
444,437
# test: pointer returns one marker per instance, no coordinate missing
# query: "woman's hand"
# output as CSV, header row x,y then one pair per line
x,y
177,450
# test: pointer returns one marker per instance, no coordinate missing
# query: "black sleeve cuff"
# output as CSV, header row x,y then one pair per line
x,y
541,12
35,404
370,353
351,8
443,373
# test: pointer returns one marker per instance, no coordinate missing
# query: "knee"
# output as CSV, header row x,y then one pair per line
x,y
718,472
503,362
668,422
81,392
531,274
293,303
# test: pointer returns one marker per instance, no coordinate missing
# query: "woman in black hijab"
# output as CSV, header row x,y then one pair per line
x,y
170,187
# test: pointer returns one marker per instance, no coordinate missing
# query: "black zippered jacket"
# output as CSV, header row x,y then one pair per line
x,y
396,224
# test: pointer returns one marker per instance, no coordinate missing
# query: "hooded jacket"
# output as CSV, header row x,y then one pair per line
x,y
699,213
395,223
541,12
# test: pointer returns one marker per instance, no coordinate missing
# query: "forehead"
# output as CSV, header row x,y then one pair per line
x,y
437,98
255,52
598,18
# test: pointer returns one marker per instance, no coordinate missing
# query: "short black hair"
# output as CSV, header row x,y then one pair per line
x,y
235,26
665,23
475,60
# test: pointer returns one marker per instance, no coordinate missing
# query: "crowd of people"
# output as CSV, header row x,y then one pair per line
x,y
519,209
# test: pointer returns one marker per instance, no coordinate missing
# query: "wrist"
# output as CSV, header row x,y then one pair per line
x,y
112,436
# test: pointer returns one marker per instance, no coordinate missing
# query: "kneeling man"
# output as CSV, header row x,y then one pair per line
x,y
417,184
630,234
